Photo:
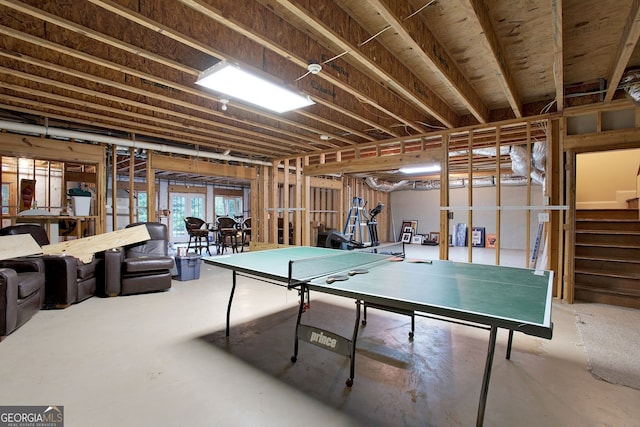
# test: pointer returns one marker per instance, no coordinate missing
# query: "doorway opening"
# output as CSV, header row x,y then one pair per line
x,y
183,205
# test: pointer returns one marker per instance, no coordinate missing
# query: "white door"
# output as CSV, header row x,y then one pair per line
x,y
182,206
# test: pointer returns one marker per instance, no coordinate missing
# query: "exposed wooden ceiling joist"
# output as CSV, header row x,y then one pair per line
x,y
392,70
628,42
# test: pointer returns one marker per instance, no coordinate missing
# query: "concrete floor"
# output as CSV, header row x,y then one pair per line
x,y
162,360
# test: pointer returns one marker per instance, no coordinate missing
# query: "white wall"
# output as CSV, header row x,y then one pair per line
x,y
424,206
605,180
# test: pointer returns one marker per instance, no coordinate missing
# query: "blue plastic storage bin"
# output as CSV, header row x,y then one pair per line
x,y
188,267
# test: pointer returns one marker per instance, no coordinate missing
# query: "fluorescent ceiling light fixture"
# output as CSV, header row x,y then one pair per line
x,y
234,82
421,169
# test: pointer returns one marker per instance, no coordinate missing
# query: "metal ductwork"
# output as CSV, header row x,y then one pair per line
x,y
386,186
485,151
519,158
518,154
630,82
434,184
69,134
513,180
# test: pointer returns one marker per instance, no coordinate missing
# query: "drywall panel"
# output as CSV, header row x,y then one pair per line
x,y
604,180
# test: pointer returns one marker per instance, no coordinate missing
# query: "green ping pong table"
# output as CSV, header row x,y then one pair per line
x,y
492,297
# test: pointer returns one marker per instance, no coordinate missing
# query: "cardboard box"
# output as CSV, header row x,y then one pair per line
x,y
188,267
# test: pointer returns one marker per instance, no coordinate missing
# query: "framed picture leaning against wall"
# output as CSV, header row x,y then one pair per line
x,y
477,237
408,226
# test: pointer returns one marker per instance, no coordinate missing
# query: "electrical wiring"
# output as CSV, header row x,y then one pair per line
x,y
373,37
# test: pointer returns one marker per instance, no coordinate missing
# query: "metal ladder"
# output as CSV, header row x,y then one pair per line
x,y
356,226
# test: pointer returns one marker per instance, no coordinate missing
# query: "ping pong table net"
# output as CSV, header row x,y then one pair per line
x,y
307,269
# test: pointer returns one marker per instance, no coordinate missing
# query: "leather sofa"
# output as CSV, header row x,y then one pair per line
x,y
22,291
141,267
68,280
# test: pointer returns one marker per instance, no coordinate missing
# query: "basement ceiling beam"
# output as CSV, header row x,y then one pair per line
x,y
422,41
88,32
296,48
375,164
134,90
225,51
330,23
118,123
558,54
498,58
627,45
146,76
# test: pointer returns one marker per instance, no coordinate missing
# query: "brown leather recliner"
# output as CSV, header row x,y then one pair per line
x,y
68,280
141,267
21,292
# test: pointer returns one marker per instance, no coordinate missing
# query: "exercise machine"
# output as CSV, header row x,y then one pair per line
x,y
359,224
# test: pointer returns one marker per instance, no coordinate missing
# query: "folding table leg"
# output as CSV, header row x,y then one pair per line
x,y
233,289
352,368
487,375
509,343
301,307
364,318
413,325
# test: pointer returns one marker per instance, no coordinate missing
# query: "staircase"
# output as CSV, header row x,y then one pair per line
x,y
607,257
